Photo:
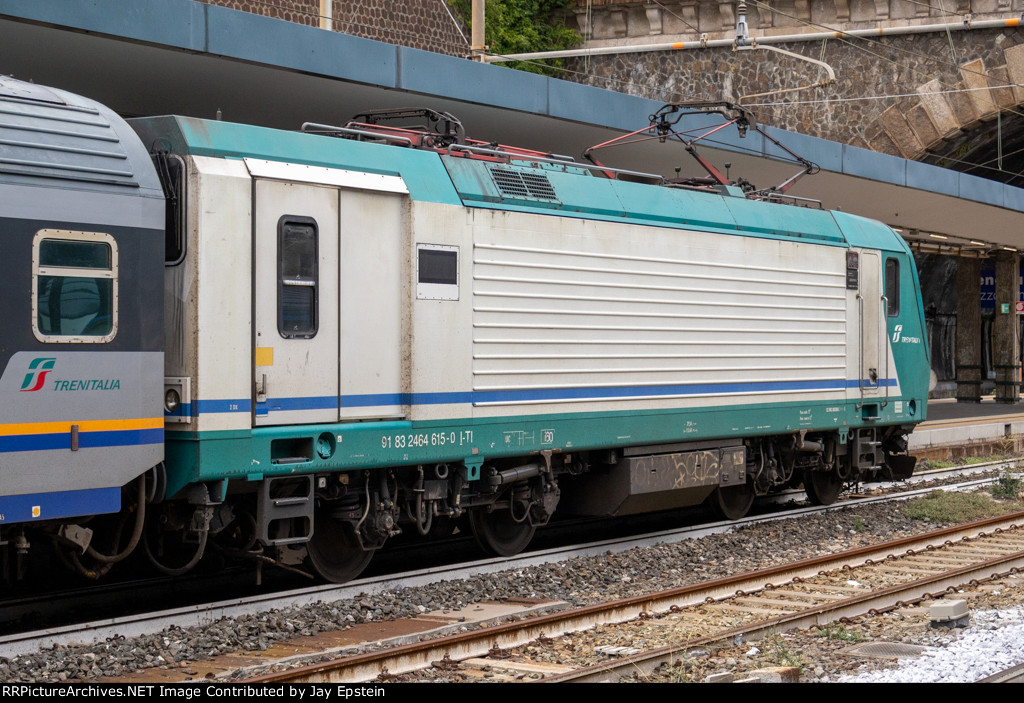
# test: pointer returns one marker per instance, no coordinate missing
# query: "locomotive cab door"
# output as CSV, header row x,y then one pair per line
x,y
871,312
295,286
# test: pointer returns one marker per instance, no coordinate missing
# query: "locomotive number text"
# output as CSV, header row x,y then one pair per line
x,y
451,438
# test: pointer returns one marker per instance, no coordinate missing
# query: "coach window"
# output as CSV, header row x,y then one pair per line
x,y
297,277
74,286
892,287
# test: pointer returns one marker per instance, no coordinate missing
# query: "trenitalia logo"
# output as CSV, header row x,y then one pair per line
x,y
36,376
898,336
39,367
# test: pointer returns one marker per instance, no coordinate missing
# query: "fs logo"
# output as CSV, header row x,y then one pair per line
x,y
896,334
36,376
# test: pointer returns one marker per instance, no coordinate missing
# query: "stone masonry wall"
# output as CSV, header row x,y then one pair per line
x,y
925,96
858,108
927,69
610,22
420,24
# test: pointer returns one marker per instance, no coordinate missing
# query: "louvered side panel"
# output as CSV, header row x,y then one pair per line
x,y
656,314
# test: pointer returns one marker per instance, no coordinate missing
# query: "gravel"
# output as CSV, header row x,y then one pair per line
x,y
994,640
579,581
994,643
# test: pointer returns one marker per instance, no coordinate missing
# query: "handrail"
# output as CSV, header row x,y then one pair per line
x,y
552,158
860,361
885,344
314,128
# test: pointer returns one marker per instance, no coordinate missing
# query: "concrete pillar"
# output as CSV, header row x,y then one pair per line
x,y
968,330
1005,344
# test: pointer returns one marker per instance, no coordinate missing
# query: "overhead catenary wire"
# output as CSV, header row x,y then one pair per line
x,y
917,54
770,39
667,96
830,33
871,38
669,11
866,35
954,63
893,96
868,38
458,25
949,34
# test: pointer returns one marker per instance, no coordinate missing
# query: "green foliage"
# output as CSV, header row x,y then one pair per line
x,y
522,26
858,523
775,649
938,464
965,461
838,631
948,507
679,674
1008,487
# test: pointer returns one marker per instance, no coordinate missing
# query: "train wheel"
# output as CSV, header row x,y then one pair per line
x,y
732,502
822,487
334,551
498,533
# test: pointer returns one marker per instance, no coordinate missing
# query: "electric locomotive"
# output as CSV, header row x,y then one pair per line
x,y
378,328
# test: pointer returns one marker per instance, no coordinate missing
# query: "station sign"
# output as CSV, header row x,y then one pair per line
x,y
988,288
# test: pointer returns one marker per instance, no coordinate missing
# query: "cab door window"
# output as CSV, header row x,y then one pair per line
x,y
892,287
298,277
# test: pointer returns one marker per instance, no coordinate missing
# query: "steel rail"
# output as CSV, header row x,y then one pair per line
x,y
876,601
26,642
1014,674
411,657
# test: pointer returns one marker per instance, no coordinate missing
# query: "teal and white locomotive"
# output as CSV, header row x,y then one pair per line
x,y
373,329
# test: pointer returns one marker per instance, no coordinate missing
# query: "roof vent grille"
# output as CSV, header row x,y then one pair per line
x,y
523,185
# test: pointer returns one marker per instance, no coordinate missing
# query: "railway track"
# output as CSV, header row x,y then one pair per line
x,y
1014,674
42,606
127,604
200,615
812,592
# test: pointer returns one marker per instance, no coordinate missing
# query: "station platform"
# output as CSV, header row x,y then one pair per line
x,y
955,430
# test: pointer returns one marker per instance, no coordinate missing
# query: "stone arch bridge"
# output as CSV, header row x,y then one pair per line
x,y
940,81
